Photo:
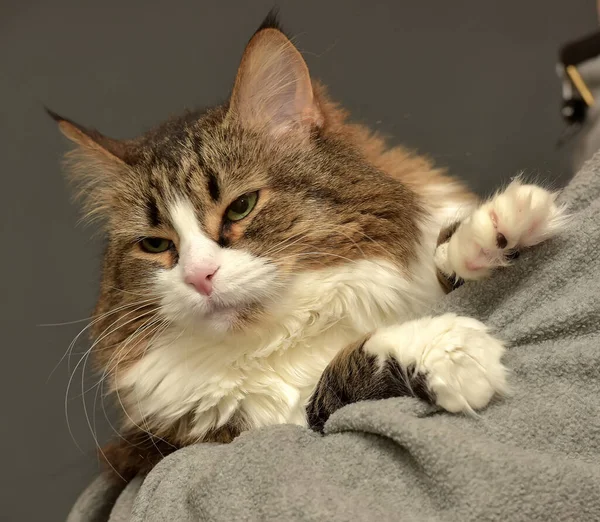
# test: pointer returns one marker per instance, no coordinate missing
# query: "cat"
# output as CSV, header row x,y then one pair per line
x,y
269,262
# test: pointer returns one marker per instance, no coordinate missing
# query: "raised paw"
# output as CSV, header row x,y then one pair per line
x,y
459,359
519,217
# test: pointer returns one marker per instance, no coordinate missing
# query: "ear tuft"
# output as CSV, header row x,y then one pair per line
x,y
271,21
57,118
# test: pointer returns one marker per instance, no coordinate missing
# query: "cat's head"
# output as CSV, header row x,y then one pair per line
x,y
210,216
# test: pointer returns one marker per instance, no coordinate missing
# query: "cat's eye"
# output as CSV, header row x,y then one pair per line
x,y
155,245
241,207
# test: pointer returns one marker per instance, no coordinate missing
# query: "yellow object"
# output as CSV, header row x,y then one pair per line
x,y
580,85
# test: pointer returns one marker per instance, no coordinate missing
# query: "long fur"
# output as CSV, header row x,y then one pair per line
x,y
339,248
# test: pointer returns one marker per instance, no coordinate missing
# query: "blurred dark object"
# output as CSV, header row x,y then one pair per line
x,y
579,71
577,94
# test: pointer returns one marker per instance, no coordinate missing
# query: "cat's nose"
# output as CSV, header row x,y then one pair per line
x,y
201,278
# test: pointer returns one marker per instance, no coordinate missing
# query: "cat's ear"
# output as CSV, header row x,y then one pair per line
x,y
97,167
273,89
91,140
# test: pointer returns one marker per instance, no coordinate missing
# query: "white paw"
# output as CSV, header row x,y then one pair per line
x,y
519,217
460,359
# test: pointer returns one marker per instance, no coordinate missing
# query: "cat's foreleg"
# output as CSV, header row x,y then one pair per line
x,y
520,217
449,360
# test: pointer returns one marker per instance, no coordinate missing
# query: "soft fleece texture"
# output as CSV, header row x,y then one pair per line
x,y
532,456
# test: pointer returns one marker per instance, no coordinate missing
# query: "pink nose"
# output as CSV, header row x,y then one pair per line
x,y
201,278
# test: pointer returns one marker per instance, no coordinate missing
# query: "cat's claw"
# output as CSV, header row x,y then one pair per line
x,y
519,217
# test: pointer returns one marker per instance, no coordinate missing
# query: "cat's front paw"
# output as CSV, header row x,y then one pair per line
x,y
519,217
459,359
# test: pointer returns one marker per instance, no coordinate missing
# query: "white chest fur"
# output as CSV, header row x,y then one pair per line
x,y
268,376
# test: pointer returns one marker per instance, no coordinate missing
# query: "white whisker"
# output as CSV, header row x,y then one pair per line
x,y
96,320
84,358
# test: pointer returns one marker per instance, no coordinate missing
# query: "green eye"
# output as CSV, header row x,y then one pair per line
x,y
155,245
241,207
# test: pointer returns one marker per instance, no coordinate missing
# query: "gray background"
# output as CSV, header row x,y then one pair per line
x,y
471,83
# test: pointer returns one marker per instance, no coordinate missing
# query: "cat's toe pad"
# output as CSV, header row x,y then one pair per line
x,y
519,217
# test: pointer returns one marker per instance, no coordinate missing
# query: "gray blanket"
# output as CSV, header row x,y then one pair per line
x,y
532,456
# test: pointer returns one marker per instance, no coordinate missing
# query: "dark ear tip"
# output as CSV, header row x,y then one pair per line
x,y
271,21
56,117
64,122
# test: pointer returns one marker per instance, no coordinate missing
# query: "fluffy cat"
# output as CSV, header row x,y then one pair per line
x,y
269,262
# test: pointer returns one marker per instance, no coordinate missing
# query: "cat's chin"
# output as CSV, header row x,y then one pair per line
x,y
222,320
217,316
